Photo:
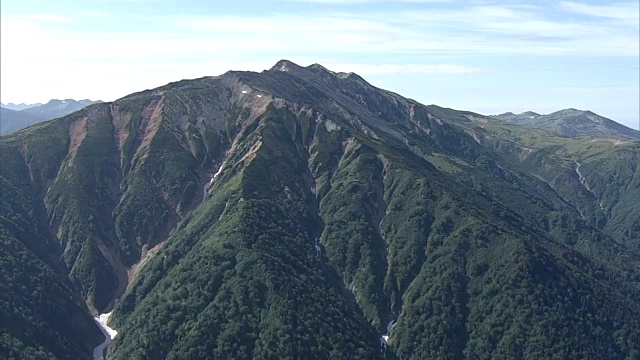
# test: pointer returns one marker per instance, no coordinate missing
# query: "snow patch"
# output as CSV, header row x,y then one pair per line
x,y
259,95
109,334
208,185
244,91
384,339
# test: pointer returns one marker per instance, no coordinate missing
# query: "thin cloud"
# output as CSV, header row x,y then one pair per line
x,y
385,69
627,12
352,2
175,47
40,17
93,13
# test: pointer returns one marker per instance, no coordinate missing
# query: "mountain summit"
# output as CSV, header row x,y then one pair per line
x,y
302,213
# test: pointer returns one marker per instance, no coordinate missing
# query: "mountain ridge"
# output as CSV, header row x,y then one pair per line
x,y
303,212
15,120
571,122
18,107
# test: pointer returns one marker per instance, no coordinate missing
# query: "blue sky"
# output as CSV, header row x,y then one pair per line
x,y
484,56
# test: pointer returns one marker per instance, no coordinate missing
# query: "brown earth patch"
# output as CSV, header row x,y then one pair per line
x,y
77,133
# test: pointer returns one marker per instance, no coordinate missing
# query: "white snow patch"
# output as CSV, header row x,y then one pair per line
x,y
384,339
219,171
109,334
208,185
244,91
259,95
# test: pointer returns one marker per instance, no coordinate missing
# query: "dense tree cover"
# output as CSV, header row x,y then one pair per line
x,y
338,212
253,285
42,315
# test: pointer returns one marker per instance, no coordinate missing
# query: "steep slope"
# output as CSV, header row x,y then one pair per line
x,y
598,176
571,123
42,315
300,213
426,252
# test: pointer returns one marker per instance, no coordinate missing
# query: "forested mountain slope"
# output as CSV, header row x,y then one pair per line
x,y
301,213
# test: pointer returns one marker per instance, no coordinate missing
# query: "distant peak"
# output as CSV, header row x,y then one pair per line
x,y
530,113
569,111
285,65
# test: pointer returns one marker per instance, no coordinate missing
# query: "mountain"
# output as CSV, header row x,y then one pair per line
x,y
18,107
302,213
571,123
12,121
56,108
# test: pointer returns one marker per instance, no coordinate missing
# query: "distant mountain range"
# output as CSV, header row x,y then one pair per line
x,y
571,123
18,107
16,117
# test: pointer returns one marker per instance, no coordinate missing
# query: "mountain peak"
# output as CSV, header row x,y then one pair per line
x,y
530,114
285,65
568,112
571,122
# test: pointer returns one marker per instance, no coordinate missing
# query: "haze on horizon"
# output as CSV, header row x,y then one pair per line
x,y
483,56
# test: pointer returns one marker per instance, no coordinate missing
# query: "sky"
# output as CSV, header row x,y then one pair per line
x,y
478,55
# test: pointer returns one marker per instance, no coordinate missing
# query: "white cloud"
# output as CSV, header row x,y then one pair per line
x,y
628,11
115,63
